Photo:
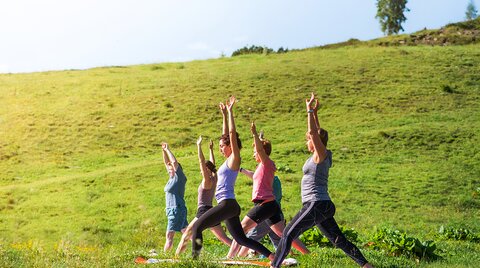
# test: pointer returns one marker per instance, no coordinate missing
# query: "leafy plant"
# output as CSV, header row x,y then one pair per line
x,y
448,89
284,169
458,234
314,237
398,243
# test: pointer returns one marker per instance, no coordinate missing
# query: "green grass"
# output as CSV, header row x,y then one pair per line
x,y
81,181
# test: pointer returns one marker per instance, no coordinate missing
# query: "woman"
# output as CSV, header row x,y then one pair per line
x,y
174,196
227,209
317,208
262,229
266,208
206,190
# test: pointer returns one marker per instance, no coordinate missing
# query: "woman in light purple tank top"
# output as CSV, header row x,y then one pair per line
x,y
317,208
206,190
227,209
265,209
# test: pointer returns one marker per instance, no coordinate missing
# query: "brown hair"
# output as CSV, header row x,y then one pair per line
x,y
324,136
226,140
267,146
211,166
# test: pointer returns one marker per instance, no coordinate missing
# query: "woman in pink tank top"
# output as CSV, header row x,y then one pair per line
x,y
265,207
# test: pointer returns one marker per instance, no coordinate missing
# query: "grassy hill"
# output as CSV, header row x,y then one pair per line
x,y
81,181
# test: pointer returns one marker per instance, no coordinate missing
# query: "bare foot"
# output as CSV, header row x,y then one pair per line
x,y
271,257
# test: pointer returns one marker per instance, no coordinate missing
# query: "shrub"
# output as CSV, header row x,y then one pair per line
x,y
284,169
399,243
448,89
282,50
253,50
458,234
314,237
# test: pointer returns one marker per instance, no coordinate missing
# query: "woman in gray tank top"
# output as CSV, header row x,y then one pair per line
x,y
317,208
206,191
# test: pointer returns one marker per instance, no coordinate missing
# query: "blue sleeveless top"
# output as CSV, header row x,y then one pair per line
x,y
175,189
225,183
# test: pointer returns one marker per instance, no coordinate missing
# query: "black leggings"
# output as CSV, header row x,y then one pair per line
x,y
229,211
318,213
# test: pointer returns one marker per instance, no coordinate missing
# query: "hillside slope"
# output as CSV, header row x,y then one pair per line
x,y
80,150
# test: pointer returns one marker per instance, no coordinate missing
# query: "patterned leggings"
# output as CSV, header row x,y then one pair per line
x,y
318,213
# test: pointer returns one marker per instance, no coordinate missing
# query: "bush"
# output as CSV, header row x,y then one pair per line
x,y
448,89
314,237
282,50
398,243
458,234
253,50
284,169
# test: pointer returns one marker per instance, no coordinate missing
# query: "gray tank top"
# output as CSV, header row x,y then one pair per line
x,y
205,196
315,179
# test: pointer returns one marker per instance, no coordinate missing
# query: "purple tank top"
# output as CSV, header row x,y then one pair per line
x,y
205,196
226,183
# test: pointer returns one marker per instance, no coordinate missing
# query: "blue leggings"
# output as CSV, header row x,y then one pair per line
x,y
318,213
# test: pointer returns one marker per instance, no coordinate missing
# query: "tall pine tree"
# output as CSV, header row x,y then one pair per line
x,y
471,12
390,14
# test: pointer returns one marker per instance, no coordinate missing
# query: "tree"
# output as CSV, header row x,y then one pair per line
x,y
471,12
390,13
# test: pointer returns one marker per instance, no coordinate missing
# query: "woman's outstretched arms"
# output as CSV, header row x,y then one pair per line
x,y
234,162
223,110
167,154
203,167
166,161
210,148
258,144
313,130
315,115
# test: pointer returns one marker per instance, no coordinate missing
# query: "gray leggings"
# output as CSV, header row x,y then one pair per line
x,y
318,213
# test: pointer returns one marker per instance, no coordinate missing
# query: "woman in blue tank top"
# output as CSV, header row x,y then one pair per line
x,y
227,209
174,197
317,208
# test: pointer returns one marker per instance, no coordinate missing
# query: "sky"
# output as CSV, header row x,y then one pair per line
x,y
79,34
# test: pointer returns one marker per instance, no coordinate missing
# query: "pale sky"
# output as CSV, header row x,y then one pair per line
x,y
40,35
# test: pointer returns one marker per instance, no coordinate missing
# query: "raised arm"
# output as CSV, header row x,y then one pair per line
x,y
258,144
165,158
320,149
234,162
201,161
223,109
171,158
315,115
210,147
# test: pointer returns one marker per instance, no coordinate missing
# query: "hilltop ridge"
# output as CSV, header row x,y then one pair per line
x,y
460,33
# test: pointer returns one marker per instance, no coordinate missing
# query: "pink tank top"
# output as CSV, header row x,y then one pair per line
x,y
263,181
